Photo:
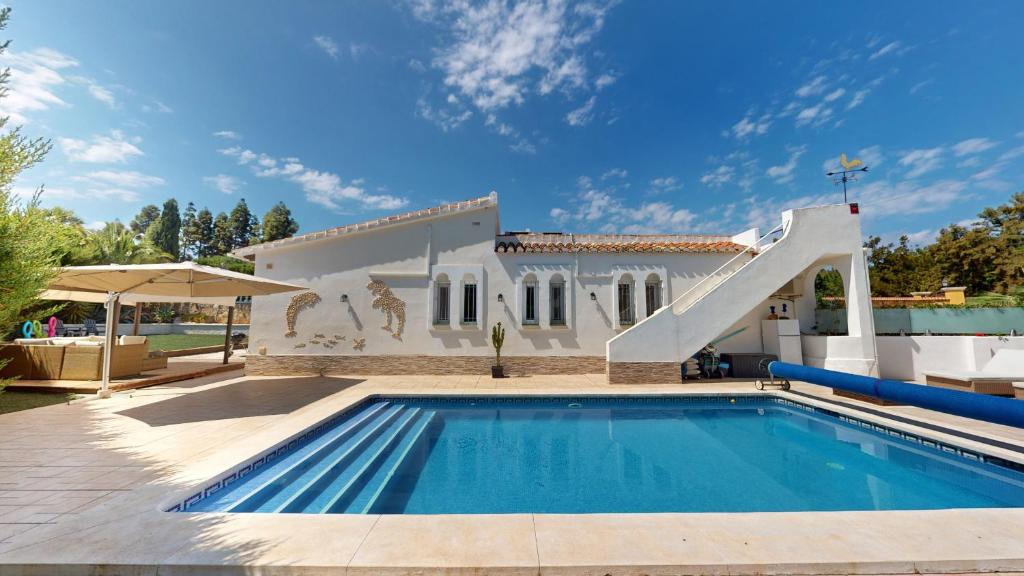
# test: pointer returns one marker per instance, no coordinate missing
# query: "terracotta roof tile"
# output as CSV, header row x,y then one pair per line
x,y
615,243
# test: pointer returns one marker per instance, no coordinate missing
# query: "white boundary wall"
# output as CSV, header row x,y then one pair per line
x,y
907,357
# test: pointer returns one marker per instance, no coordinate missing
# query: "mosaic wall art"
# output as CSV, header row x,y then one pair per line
x,y
298,304
358,344
393,308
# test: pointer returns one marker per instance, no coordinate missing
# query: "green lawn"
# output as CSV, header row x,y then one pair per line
x,y
181,341
15,401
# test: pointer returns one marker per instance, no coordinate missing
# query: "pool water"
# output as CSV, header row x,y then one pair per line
x,y
456,455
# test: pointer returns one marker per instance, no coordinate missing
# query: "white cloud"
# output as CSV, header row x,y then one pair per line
x,y
35,75
1012,153
815,115
583,115
783,173
501,52
323,188
858,99
880,198
605,80
89,193
100,93
921,237
228,135
444,118
887,49
665,184
223,183
328,45
747,126
615,173
921,85
121,179
718,177
835,94
921,161
612,215
113,149
973,146
813,88
357,50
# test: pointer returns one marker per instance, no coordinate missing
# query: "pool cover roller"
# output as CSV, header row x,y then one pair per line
x,y
968,404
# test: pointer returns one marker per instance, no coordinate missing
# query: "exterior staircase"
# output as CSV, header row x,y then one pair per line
x,y
651,350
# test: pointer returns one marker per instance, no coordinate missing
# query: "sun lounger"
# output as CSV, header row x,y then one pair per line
x,y
995,378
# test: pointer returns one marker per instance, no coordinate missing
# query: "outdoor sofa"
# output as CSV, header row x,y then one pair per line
x,y
72,358
995,378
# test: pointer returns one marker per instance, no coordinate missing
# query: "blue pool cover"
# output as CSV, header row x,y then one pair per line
x,y
448,455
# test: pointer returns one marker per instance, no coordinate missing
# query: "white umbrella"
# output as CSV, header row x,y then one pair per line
x,y
149,283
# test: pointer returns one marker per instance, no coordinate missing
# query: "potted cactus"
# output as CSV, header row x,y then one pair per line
x,y
497,340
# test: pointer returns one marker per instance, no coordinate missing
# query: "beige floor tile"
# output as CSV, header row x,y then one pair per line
x,y
417,544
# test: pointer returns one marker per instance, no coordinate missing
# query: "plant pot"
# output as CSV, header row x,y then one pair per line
x,y
497,371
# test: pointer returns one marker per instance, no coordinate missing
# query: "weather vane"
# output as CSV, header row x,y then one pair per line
x,y
848,173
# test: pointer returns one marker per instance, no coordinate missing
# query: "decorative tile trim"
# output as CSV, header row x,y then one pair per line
x,y
575,401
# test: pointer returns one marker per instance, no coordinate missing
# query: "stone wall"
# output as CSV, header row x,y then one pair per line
x,y
305,364
643,372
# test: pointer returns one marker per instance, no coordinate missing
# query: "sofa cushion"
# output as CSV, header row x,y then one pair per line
x,y
126,339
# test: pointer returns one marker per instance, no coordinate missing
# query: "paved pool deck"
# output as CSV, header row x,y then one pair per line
x,y
81,487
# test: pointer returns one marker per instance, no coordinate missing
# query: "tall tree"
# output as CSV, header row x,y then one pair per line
x,y
29,256
223,239
244,226
168,229
204,227
115,244
190,233
278,223
145,218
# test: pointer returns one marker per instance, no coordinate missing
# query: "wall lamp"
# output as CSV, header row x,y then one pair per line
x,y
593,297
501,298
344,297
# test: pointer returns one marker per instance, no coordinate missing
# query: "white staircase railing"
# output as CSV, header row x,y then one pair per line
x,y
724,272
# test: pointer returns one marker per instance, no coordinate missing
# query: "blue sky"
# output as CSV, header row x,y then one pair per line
x,y
632,116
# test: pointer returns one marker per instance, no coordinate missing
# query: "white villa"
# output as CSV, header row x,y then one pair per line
x,y
418,293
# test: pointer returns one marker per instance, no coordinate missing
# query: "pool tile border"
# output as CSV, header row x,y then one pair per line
x,y
269,456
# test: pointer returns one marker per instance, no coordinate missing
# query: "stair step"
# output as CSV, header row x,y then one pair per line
x,y
252,499
395,465
307,488
343,496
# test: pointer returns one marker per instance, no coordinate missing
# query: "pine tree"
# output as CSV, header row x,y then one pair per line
x,y
144,219
168,229
244,226
223,240
278,223
204,225
190,233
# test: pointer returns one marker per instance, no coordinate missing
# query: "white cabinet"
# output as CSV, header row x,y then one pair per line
x,y
782,338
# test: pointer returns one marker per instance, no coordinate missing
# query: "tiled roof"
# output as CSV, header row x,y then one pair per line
x,y
436,211
615,243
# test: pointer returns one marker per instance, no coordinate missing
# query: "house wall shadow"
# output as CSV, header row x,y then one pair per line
x,y
239,400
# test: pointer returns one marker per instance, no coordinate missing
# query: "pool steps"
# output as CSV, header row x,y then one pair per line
x,y
253,498
309,485
396,464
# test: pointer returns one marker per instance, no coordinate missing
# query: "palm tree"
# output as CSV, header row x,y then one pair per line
x,y
116,244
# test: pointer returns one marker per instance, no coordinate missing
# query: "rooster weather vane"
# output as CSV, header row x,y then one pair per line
x,y
848,173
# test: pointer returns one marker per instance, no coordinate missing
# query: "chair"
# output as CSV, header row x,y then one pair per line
x,y
995,378
90,327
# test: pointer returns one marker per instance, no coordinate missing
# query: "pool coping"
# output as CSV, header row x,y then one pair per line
x,y
871,542
931,436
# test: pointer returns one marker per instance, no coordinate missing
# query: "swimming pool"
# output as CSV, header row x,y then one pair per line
x,y
493,455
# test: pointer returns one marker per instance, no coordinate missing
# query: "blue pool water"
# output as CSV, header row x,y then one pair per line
x,y
707,454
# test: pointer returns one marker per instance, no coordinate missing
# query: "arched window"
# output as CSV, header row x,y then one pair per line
x,y
624,293
830,300
469,303
531,300
442,299
557,300
652,293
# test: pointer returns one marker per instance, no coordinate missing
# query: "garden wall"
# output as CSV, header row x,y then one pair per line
x,y
933,320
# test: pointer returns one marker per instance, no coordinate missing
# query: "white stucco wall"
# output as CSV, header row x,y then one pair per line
x,y
907,357
410,257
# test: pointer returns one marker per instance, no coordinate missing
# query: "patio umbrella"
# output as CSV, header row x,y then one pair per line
x,y
186,280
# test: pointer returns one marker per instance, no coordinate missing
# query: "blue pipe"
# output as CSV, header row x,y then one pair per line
x,y
968,404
